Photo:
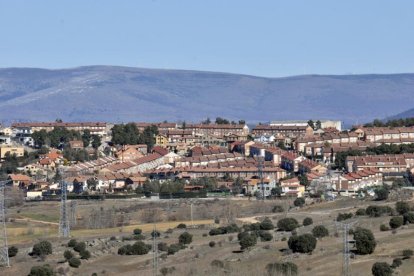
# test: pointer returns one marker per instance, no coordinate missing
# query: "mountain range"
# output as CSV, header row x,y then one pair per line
x,y
124,94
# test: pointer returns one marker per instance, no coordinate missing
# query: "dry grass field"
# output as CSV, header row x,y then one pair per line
x,y
39,220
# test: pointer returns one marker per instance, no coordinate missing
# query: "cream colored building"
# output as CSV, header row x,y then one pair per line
x,y
18,151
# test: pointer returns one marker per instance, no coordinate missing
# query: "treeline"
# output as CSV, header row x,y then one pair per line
x,y
60,136
407,122
222,121
11,162
128,134
382,149
176,186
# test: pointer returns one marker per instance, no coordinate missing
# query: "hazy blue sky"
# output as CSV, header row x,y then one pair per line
x,y
267,38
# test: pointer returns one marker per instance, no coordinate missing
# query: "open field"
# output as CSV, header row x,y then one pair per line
x,y
37,221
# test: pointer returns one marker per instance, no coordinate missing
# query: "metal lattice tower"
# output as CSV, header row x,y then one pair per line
x,y
155,252
64,226
260,171
4,249
73,204
346,255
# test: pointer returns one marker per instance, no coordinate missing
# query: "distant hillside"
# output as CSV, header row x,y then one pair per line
x,y
406,114
121,94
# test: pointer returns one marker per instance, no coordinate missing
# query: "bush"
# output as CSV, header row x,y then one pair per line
x,y
384,227
74,262
12,250
381,193
266,224
217,221
396,222
139,237
44,270
42,248
167,270
162,246
381,269
402,207
378,211
212,244
408,217
72,243
185,238
286,268
361,212
396,263
124,250
305,243
252,227
307,221
232,228
140,248
68,255
320,231
112,238
364,241
137,231
247,241
299,202
265,236
79,247
278,209
287,224
181,226
85,254
407,253
173,248
217,263
344,216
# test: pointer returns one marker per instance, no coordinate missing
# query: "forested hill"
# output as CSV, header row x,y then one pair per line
x,y
121,94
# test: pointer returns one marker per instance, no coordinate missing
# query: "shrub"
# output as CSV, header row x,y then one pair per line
x,y
286,268
85,254
307,221
408,217
278,209
217,263
252,227
396,222
162,246
320,231
68,255
402,207
344,216
12,250
212,244
305,243
364,241
169,231
407,253
232,228
381,269
173,248
72,243
44,270
124,250
137,231
396,263
287,224
139,237
140,248
361,212
205,235
378,211
167,270
216,231
79,247
181,226
42,248
247,241
185,238
217,221
384,227
74,262
265,236
381,193
266,224
299,202
112,238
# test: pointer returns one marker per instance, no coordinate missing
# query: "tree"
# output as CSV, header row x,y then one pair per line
x,y
364,241
79,247
74,262
318,125
281,145
68,255
305,243
185,238
96,141
307,221
320,231
44,270
242,122
265,235
181,226
12,250
311,124
381,269
396,222
140,248
303,180
221,121
407,253
287,224
409,217
137,231
206,122
266,224
42,248
402,207
299,202
86,137
247,241
85,254
381,193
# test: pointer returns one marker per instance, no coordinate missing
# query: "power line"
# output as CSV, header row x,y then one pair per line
x,y
64,227
346,254
4,249
155,251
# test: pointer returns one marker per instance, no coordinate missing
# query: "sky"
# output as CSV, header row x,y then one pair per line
x,y
264,38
